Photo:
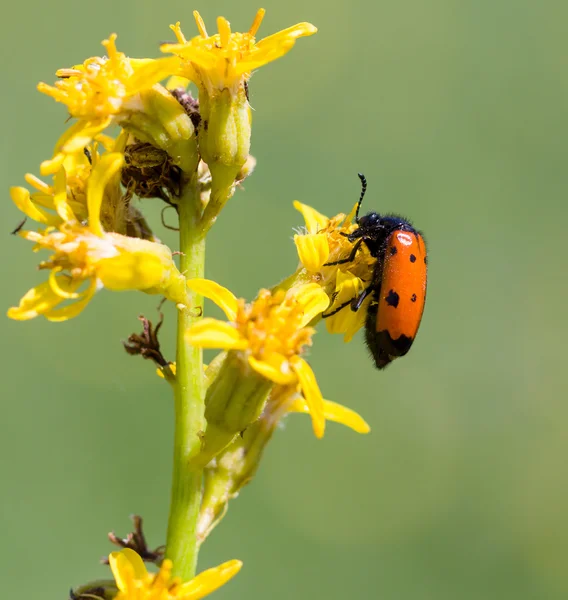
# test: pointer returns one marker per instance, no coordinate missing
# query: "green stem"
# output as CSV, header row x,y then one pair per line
x,y
189,394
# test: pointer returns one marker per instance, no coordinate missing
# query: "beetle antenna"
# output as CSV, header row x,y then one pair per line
x,y
363,190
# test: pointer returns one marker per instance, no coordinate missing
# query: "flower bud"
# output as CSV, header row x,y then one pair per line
x,y
235,399
224,133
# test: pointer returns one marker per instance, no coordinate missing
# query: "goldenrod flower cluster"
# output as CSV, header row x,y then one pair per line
x,y
138,132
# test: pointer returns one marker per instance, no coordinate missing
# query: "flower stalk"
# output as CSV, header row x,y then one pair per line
x,y
189,390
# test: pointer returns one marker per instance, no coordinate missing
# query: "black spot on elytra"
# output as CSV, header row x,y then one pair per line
x,y
412,258
206,125
413,298
393,250
392,298
425,260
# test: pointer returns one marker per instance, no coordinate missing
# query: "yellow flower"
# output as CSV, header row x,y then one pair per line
x,y
226,59
269,335
220,65
323,242
135,583
83,253
116,213
99,92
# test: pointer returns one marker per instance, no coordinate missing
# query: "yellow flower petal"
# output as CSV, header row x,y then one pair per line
x,y
60,197
224,28
334,412
211,333
45,201
81,133
72,310
22,199
105,170
277,370
311,393
223,298
175,82
356,320
313,300
257,21
208,581
38,300
347,321
38,184
290,33
52,165
200,27
275,46
315,221
131,270
126,567
59,290
48,167
313,250
154,70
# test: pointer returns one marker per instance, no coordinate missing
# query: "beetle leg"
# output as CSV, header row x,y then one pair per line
x,y
350,258
336,310
358,300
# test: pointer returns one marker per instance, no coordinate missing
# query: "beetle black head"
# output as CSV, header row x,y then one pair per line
x,y
373,231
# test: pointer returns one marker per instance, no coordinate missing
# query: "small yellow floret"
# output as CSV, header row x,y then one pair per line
x,y
99,92
84,253
226,59
325,241
270,334
135,583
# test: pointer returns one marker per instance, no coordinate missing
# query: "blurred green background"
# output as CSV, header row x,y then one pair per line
x,y
456,112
